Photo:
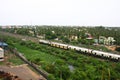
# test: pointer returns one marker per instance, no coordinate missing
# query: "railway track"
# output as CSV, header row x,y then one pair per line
x,y
41,72
106,55
96,53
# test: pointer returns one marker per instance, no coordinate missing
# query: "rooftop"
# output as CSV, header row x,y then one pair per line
x,y
1,49
3,44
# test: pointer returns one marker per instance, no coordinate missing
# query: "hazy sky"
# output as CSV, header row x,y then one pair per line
x,y
60,12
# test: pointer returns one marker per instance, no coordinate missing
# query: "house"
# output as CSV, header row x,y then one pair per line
x,y
109,41
96,41
102,39
88,36
106,41
73,37
4,45
31,32
1,54
53,32
40,36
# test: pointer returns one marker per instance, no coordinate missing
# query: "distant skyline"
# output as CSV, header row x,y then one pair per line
x,y
60,12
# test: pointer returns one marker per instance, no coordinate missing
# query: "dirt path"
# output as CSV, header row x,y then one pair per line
x,y
22,71
111,47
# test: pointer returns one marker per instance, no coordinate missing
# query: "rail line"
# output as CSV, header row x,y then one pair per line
x,y
96,53
18,54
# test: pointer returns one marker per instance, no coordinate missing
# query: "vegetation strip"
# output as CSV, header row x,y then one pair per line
x,y
86,68
44,74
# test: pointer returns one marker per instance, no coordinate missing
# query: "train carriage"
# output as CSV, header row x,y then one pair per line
x,y
83,50
44,41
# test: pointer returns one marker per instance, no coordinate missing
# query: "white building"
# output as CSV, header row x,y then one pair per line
x,y
109,41
1,54
106,41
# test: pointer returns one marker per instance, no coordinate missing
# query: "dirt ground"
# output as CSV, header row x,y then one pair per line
x,y
22,71
111,47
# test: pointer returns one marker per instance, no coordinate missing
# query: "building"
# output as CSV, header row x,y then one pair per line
x,y
3,45
102,39
73,37
1,54
88,36
109,41
106,41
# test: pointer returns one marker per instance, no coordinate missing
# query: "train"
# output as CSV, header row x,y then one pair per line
x,y
97,53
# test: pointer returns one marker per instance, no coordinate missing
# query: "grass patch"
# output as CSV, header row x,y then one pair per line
x,y
35,54
1,63
12,59
16,61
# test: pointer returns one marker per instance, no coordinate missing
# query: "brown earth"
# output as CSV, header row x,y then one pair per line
x,y
22,71
111,47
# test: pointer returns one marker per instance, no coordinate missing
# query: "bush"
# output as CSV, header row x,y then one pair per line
x,y
51,77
